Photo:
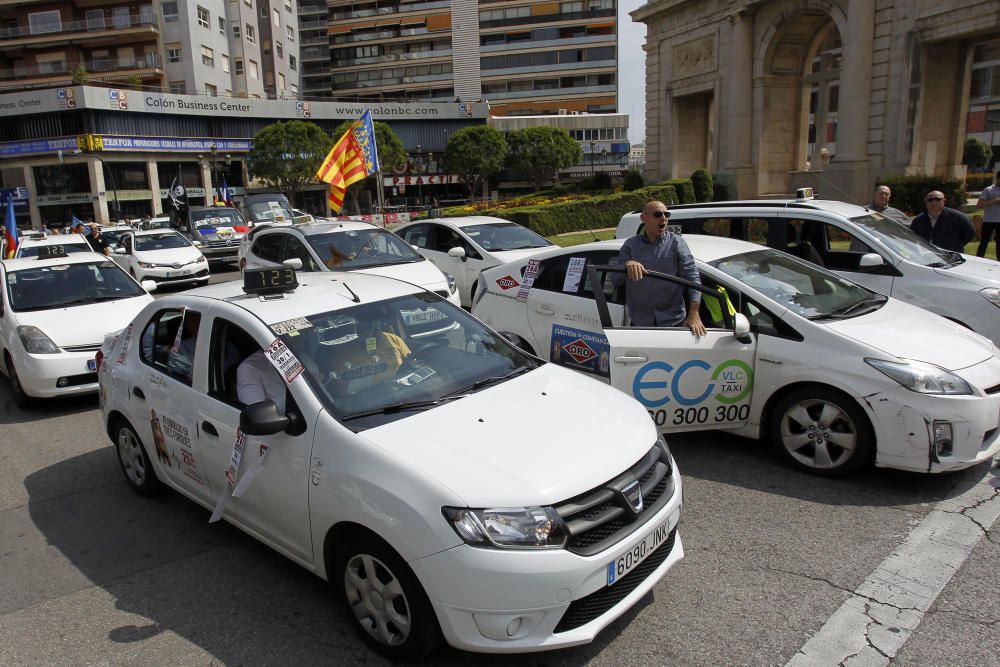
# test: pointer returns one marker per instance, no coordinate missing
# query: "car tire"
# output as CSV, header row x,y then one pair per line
x,y
134,461
20,396
821,431
386,604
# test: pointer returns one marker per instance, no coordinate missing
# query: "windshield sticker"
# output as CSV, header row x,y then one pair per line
x,y
573,274
529,279
126,337
507,282
172,439
284,360
581,350
293,325
180,331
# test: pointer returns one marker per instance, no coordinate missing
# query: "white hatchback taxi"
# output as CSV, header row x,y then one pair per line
x,y
304,412
32,244
464,247
54,313
161,255
836,374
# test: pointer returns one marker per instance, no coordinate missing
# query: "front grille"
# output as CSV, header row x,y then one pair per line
x,y
82,348
995,389
602,517
583,611
77,380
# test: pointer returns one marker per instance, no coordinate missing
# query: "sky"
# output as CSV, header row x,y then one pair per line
x,y
632,70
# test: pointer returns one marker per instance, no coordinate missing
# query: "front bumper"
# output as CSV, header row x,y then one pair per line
x,y
40,373
221,253
170,275
507,601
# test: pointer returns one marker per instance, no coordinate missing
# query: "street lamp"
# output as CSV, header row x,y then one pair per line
x,y
420,170
593,167
214,166
114,185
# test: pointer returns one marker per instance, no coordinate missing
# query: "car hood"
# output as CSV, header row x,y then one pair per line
x,y
422,273
537,439
169,256
905,331
219,233
504,256
89,322
975,270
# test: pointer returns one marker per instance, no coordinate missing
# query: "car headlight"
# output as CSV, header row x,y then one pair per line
x,y
662,443
36,342
452,286
147,265
509,528
921,377
197,244
991,294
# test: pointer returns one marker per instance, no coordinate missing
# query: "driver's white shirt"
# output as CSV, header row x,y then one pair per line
x,y
257,380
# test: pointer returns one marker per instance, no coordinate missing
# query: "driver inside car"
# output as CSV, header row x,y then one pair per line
x,y
355,355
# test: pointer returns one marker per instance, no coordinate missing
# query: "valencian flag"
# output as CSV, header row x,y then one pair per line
x,y
10,227
351,159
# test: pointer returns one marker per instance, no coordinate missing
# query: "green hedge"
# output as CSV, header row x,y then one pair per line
x,y
701,179
908,191
978,182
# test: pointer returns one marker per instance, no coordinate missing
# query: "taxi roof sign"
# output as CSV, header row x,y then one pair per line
x,y
269,281
52,251
804,193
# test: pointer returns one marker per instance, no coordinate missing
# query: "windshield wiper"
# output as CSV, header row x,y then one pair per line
x,y
478,384
875,299
395,407
89,299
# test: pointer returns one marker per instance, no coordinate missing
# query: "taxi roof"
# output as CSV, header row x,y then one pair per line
x,y
313,228
705,248
318,292
73,258
159,230
56,239
468,221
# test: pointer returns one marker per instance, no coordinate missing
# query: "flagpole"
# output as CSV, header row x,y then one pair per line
x,y
380,193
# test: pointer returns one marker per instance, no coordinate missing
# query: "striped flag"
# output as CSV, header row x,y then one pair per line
x,y
351,159
10,228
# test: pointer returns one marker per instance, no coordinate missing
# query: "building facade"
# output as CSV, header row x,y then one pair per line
x,y
527,57
832,94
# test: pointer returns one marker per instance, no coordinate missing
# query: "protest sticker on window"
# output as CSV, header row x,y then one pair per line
x,y
571,283
530,272
284,360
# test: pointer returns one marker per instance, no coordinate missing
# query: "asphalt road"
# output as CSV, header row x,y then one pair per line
x,y
94,574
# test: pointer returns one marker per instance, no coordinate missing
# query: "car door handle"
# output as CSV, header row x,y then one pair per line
x,y
544,311
138,393
630,359
208,428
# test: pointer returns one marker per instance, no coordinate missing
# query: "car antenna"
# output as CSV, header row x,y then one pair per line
x,y
357,299
593,234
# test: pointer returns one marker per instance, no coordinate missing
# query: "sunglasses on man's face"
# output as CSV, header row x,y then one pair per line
x,y
934,199
660,214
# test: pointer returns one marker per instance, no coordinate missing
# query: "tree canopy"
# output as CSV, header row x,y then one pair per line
x,y
285,155
538,153
476,153
977,153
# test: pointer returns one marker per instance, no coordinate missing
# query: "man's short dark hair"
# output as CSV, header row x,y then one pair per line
x,y
879,186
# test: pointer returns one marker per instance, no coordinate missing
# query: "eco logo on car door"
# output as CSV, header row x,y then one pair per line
x,y
731,382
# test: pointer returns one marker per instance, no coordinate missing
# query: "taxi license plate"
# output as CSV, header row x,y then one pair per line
x,y
91,365
625,563
425,316
174,274
230,258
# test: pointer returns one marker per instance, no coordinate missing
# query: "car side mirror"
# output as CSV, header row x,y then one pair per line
x,y
149,285
415,247
262,418
458,252
293,263
870,259
741,328
120,251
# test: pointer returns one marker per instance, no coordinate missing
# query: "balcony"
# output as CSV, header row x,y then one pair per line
x,y
547,18
102,69
119,30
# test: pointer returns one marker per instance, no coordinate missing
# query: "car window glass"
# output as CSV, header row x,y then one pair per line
x,y
417,235
294,248
902,240
551,274
756,230
230,346
446,238
168,342
65,285
361,248
160,241
268,247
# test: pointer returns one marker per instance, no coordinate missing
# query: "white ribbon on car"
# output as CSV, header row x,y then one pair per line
x,y
233,488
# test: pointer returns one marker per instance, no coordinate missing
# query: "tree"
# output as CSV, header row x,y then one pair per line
x,y
286,155
540,152
977,154
633,180
476,153
391,155
80,76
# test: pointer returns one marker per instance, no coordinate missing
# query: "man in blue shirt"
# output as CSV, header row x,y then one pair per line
x,y
659,303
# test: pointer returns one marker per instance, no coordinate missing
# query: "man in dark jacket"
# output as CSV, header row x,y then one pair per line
x,y
944,227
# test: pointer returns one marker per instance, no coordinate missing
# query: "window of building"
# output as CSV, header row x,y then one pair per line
x,y
203,17
281,82
169,10
251,34
222,25
569,7
40,23
278,51
236,31
177,87
210,90
207,56
95,19
121,18
291,33
263,12
276,18
254,70
238,66
175,54
52,63
294,88
146,15
225,63
292,62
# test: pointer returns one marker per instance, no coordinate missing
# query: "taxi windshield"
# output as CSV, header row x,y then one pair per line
x,y
70,247
904,241
505,236
64,285
270,211
361,248
802,287
164,241
368,368
216,218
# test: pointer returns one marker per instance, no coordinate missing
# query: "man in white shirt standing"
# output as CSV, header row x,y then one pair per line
x,y
989,201
258,380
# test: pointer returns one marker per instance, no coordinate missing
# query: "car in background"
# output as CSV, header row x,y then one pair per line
x,y
54,313
301,217
349,246
429,481
463,247
30,245
865,247
112,234
216,231
265,208
835,374
161,255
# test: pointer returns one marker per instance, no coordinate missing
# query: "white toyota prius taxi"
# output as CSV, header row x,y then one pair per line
x,y
306,414
835,374
161,255
54,312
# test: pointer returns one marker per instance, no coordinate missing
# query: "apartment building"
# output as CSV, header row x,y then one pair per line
x,y
208,47
526,57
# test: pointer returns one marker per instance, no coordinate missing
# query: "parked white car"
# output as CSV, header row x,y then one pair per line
x,y
393,467
857,243
28,246
463,247
54,314
161,255
835,374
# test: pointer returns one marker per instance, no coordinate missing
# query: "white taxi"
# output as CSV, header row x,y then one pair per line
x,y
161,255
54,313
31,245
835,374
304,412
